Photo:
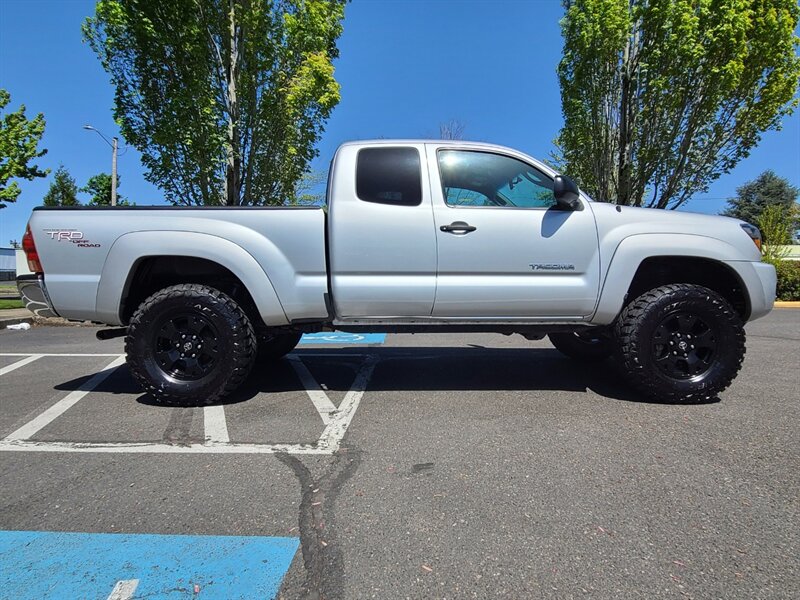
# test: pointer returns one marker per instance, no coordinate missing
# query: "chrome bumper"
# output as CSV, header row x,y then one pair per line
x,y
34,295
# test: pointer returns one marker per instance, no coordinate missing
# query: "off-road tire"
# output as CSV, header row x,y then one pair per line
x,y
276,346
586,346
640,332
231,348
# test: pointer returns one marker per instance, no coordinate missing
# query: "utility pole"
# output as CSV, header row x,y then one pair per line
x,y
114,172
114,143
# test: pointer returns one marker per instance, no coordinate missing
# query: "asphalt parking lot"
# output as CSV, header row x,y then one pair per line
x,y
425,466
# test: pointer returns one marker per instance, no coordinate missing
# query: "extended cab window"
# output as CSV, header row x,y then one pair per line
x,y
389,176
485,179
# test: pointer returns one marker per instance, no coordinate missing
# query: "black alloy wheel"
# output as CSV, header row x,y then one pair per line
x,y
680,343
190,345
684,345
187,346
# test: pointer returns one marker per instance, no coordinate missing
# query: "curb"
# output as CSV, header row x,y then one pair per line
x,y
15,321
787,304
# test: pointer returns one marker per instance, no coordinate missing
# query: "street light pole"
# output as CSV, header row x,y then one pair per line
x,y
114,143
114,172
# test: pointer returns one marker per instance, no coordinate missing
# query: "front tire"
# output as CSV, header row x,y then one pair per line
x,y
190,345
680,343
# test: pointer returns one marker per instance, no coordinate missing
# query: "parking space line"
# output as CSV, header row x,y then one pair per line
x,y
124,590
334,432
215,425
336,420
318,397
20,363
33,426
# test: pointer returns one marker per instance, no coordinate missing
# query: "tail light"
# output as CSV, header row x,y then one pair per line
x,y
29,247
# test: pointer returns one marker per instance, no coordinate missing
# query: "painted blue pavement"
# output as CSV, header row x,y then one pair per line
x,y
342,337
56,565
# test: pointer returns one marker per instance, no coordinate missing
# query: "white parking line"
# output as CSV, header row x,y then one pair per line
x,y
124,589
217,441
335,430
216,427
20,363
59,408
319,398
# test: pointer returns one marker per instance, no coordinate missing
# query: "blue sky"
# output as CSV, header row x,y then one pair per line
x,y
405,66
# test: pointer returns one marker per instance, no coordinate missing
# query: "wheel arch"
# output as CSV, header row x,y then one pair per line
x,y
648,261
130,274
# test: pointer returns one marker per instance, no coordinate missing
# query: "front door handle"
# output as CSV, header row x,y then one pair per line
x,y
457,227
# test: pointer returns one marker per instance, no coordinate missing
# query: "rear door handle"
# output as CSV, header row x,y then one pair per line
x,y
457,227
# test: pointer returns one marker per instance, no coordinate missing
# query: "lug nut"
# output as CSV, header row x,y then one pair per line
x,y
671,343
183,336
182,355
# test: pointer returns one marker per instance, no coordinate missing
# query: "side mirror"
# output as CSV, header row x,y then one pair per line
x,y
566,193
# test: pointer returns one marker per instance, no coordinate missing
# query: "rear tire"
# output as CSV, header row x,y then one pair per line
x,y
585,345
190,345
680,343
274,347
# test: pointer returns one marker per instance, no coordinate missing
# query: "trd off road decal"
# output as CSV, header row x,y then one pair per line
x,y
72,236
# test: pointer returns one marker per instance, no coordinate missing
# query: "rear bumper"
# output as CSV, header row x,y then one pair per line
x,y
760,280
34,295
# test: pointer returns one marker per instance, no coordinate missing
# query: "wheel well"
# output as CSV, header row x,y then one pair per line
x,y
157,272
661,270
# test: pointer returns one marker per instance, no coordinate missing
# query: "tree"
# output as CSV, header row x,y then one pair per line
x,y
63,190
766,190
661,97
225,99
19,145
452,130
775,223
99,186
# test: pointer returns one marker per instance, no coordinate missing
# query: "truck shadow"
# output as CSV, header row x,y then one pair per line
x,y
417,369
431,369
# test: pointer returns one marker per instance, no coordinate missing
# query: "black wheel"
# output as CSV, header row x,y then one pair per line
x,y
275,346
592,344
680,343
189,345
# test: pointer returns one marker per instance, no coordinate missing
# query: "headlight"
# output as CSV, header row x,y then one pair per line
x,y
754,234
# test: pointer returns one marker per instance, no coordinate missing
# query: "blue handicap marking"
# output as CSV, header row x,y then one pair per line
x,y
342,337
56,565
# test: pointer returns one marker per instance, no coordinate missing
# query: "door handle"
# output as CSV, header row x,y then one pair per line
x,y
457,227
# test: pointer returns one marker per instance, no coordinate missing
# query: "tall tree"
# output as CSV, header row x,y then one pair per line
x,y
661,97
768,189
99,187
19,146
63,190
225,99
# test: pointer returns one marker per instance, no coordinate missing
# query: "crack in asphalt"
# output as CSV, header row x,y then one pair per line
x,y
323,559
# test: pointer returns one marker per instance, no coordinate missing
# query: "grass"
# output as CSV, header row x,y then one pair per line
x,y
4,304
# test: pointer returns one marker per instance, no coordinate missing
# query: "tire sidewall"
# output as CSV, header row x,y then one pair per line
x,y
727,357
141,347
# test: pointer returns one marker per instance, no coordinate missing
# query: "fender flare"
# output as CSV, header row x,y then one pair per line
x,y
635,249
129,249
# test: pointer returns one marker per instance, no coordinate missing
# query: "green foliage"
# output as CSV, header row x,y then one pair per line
x,y
766,190
63,190
775,223
661,97
225,99
788,272
99,187
19,145
310,189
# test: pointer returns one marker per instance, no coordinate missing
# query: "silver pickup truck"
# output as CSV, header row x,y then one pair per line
x,y
419,236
